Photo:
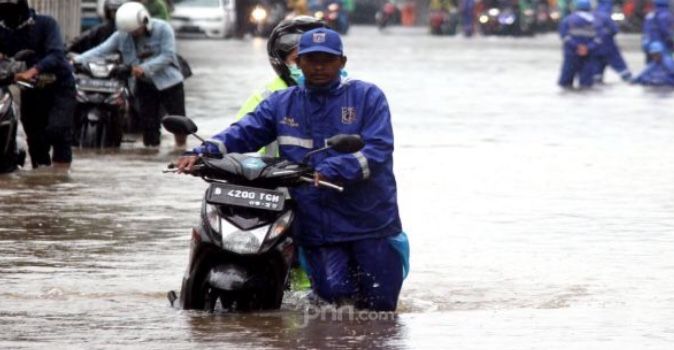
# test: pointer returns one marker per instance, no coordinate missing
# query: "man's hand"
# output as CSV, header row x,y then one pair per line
x,y
582,50
27,76
318,178
137,71
185,163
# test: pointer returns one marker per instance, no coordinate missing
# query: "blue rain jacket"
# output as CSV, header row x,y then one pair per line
x,y
579,28
657,74
658,26
301,119
42,35
606,30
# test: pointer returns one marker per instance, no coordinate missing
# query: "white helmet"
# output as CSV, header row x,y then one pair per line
x,y
131,16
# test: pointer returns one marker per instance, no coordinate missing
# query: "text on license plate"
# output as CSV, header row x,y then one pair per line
x,y
247,197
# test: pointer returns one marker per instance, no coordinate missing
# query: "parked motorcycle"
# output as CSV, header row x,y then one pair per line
x,y
102,102
241,251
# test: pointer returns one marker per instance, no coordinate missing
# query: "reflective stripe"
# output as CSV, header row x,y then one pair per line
x,y
295,141
219,144
363,164
583,32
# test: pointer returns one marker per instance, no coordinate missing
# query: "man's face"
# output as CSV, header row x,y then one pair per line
x,y
138,32
320,68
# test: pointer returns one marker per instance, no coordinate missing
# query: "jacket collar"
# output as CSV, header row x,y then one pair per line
x,y
333,88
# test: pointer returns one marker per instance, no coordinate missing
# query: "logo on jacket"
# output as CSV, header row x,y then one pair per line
x,y
348,115
289,121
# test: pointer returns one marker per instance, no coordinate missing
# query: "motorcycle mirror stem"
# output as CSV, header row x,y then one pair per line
x,y
178,124
341,143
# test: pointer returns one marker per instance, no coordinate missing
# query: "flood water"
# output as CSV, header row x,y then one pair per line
x,y
538,218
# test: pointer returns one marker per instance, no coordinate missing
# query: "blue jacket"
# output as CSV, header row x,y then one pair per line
x,y
606,30
579,28
42,35
157,53
657,74
605,7
301,119
658,26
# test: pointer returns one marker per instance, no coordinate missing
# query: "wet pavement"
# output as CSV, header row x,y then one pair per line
x,y
538,218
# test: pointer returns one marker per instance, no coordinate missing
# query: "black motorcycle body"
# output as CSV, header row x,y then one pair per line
x,y
241,252
11,156
103,102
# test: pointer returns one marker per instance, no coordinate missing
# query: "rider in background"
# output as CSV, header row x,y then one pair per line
x,y
98,34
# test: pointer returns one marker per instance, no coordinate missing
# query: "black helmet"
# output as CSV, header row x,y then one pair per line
x,y
110,7
284,38
13,13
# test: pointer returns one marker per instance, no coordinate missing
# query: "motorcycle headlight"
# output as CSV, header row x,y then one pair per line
x,y
100,70
259,14
554,15
333,7
617,16
484,19
494,12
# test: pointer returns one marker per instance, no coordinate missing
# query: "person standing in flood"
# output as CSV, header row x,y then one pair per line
x,y
608,52
580,43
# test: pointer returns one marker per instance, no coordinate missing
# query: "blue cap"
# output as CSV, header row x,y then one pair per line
x,y
582,5
320,40
656,47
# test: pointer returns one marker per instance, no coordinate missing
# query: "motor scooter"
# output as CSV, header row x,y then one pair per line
x,y
103,102
241,251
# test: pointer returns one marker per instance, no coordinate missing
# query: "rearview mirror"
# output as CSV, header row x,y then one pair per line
x,y
24,55
346,143
177,124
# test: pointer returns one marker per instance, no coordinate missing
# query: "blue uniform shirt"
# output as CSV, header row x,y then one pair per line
x,y
658,26
301,119
657,74
579,28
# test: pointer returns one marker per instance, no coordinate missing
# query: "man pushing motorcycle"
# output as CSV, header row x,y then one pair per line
x,y
351,242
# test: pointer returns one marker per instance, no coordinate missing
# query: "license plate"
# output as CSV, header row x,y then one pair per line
x,y
249,197
98,85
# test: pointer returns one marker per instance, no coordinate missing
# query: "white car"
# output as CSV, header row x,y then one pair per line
x,y
212,18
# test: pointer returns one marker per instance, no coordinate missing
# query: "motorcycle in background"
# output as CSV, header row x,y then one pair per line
x,y
386,15
265,15
333,14
102,102
241,250
514,18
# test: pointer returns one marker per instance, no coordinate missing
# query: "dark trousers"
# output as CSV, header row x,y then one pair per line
x,y
369,272
47,118
574,65
151,102
611,57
